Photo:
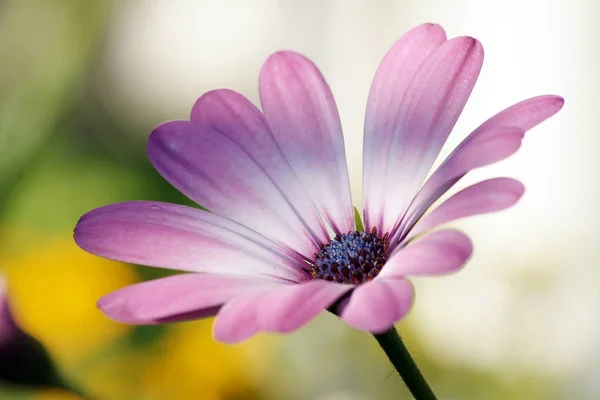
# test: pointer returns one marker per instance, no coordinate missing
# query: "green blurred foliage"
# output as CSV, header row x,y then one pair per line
x,y
46,47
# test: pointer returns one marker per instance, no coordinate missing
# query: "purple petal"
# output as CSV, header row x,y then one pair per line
x,y
376,305
217,173
303,117
524,115
485,145
484,197
8,327
242,122
429,109
491,146
280,310
437,253
391,80
190,296
182,238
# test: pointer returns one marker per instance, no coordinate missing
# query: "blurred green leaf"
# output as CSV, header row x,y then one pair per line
x,y
45,48
54,194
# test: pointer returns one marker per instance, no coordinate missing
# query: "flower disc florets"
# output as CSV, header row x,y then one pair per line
x,y
354,257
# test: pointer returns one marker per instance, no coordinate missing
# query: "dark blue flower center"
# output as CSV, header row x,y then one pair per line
x,y
354,257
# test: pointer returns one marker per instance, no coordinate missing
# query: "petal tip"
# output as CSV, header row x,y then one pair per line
x,y
459,243
114,308
432,28
560,101
81,234
552,102
429,29
466,250
514,189
519,188
477,46
210,96
228,336
283,56
109,301
472,47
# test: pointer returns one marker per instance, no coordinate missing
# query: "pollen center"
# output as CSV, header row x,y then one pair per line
x,y
354,257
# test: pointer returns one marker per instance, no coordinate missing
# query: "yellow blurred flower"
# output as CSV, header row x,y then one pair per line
x,y
194,366
185,364
54,287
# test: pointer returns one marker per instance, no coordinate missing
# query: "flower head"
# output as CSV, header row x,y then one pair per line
x,y
279,242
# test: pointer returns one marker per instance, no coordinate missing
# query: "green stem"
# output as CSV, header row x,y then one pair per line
x,y
394,348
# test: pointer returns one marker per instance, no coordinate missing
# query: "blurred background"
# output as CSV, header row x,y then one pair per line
x,y
82,83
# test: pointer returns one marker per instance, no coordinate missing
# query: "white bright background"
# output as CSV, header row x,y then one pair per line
x,y
529,299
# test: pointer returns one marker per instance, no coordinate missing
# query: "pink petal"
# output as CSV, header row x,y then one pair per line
x,y
187,296
524,115
376,305
429,109
491,146
472,152
212,170
437,253
484,197
280,310
303,117
182,238
391,80
240,121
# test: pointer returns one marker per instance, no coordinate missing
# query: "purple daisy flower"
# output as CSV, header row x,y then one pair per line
x,y
279,243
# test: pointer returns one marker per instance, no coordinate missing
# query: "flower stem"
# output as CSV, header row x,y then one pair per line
x,y
394,348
